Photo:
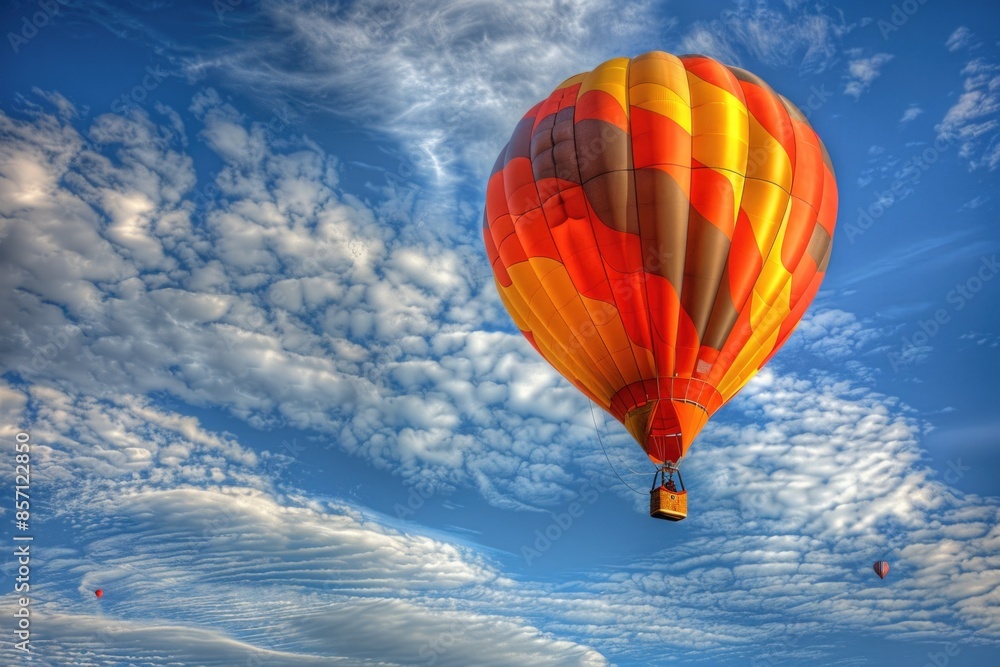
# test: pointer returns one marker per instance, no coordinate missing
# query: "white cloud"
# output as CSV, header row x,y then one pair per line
x,y
973,120
987,339
288,302
833,335
959,39
166,540
863,71
773,35
976,202
78,638
910,114
446,79
67,110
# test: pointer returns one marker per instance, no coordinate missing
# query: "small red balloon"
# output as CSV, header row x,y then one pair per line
x,y
99,593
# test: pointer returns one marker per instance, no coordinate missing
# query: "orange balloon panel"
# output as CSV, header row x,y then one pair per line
x,y
657,227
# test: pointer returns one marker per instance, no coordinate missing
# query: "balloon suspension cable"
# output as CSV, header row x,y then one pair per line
x,y
601,440
604,422
661,472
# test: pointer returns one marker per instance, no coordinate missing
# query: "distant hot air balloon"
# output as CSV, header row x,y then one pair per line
x,y
657,227
881,568
99,593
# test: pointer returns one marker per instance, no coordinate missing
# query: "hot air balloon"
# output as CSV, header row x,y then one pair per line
x,y
656,228
99,593
881,568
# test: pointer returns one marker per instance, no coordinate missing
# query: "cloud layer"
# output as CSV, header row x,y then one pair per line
x,y
825,478
441,77
267,290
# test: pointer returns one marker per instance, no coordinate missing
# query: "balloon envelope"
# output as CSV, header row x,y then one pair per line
x,y
99,593
657,227
881,568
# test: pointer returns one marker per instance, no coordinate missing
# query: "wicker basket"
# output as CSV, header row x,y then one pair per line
x,y
667,504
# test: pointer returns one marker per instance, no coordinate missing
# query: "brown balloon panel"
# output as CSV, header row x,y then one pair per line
x,y
657,227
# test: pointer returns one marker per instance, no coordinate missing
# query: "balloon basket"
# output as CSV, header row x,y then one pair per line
x,y
666,501
669,505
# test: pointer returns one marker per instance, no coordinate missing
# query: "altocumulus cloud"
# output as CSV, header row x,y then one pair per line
x,y
264,575
826,478
121,268
278,298
974,119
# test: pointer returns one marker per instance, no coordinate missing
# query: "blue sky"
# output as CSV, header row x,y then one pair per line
x,y
278,412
